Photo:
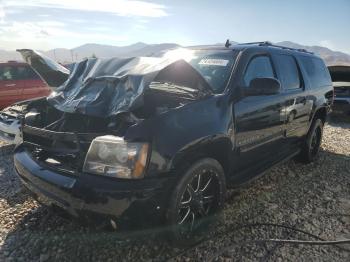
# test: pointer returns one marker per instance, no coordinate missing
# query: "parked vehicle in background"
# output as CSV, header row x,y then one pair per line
x,y
341,82
19,84
158,141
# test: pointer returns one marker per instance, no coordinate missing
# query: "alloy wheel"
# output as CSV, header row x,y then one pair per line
x,y
198,202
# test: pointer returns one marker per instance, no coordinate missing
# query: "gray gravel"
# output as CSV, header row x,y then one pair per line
x,y
313,197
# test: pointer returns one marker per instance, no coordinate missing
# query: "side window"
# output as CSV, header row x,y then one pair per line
x,y
259,66
8,73
27,73
289,73
316,71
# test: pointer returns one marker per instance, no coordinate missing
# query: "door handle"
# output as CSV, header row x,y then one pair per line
x,y
8,85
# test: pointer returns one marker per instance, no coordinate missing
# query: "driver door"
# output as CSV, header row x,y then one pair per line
x,y
259,121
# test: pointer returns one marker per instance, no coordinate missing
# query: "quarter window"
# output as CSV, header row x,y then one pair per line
x,y
8,73
317,72
289,73
258,67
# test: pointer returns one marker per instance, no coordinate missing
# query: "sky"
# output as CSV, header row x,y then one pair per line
x,y
47,24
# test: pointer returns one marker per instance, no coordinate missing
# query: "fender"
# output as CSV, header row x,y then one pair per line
x,y
218,147
175,134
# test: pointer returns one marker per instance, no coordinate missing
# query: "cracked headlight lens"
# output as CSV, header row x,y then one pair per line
x,y
112,156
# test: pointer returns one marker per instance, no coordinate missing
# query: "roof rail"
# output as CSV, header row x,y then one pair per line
x,y
257,43
267,43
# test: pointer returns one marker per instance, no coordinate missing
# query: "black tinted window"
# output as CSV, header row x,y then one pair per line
x,y
289,73
259,66
316,71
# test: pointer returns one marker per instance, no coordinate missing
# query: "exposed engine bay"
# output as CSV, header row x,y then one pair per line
x,y
103,97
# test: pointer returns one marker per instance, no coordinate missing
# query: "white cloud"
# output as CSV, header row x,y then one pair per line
x,y
118,7
46,34
2,14
44,30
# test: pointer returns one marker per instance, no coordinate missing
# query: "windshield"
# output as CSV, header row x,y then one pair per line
x,y
215,67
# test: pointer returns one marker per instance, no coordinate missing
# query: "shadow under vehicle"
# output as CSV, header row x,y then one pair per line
x,y
160,139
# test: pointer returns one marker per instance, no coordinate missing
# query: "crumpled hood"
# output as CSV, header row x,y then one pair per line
x,y
106,87
51,72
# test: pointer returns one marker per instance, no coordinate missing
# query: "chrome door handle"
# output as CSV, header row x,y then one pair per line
x,y
10,85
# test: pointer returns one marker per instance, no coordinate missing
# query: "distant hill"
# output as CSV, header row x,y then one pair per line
x,y
141,49
331,57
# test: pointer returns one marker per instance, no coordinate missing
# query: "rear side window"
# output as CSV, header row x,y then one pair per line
x,y
316,71
258,67
8,73
289,73
27,73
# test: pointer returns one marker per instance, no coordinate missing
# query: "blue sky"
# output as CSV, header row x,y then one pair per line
x,y
45,24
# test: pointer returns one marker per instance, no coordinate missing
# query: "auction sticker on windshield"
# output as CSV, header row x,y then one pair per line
x,y
214,62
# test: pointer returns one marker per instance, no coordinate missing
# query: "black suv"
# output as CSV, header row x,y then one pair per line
x,y
159,139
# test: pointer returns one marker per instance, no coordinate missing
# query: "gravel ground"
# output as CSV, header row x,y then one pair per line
x,y
313,197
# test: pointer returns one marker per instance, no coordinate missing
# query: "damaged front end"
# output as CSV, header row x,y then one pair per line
x,y
11,118
103,97
80,137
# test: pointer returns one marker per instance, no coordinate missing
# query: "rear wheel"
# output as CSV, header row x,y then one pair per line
x,y
196,200
312,143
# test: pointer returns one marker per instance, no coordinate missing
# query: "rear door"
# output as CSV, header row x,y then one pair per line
x,y
297,107
34,86
10,86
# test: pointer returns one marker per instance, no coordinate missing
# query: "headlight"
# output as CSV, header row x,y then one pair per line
x,y
112,156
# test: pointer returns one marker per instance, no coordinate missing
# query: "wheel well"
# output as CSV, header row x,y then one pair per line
x,y
320,114
219,150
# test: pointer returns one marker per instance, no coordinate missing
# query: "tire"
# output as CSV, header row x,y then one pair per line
x,y
312,142
196,201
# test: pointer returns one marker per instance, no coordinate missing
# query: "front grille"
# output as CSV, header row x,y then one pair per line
x,y
63,151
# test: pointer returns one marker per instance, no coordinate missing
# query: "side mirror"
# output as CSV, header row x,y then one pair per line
x,y
262,86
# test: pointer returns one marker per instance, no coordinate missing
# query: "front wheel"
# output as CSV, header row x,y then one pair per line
x,y
197,198
312,143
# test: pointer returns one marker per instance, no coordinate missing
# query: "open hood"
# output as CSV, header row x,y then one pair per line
x,y
51,72
339,73
106,87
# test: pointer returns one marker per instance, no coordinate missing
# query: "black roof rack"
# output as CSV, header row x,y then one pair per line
x,y
267,43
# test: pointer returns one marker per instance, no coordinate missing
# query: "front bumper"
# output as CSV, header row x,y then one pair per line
x,y
10,131
126,202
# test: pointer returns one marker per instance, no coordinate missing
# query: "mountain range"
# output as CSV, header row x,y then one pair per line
x,y
64,55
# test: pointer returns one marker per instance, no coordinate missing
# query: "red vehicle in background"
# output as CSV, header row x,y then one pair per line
x,y
18,82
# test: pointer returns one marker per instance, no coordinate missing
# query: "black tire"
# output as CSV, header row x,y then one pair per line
x,y
312,142
196,201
